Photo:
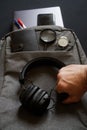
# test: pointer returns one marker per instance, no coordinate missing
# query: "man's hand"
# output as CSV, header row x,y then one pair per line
x,y
72,79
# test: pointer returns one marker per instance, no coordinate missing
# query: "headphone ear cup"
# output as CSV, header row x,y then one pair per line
x,y
38,95
40,100
27,94
34,98
23,94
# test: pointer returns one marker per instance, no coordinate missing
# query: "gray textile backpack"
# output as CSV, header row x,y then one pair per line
x,y
21,46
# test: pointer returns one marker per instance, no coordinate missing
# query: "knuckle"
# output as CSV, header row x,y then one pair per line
x,y
59,75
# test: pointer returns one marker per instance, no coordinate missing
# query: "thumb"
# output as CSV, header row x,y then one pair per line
x,y
69,100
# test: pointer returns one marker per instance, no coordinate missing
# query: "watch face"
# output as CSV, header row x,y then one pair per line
x,y
45,19
63,41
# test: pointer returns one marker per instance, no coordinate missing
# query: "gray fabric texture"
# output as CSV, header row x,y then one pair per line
x,y
61,117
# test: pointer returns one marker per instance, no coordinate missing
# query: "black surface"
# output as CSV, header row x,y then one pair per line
x,y
74,14
45,19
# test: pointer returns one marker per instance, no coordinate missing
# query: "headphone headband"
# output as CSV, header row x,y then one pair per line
x,y
41,61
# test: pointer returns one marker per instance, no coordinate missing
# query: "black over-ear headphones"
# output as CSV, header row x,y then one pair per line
x,y
32,96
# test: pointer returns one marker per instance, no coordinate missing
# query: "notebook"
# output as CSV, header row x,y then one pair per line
x,y
30,17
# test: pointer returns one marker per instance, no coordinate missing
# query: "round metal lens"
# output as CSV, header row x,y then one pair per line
x,y
48,36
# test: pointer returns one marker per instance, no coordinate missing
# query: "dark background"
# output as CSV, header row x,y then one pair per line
x,y
74,14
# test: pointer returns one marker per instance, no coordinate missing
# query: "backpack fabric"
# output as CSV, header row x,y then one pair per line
x,y
12,60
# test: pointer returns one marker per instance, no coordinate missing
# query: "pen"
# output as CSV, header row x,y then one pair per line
x,y
17,24
21,23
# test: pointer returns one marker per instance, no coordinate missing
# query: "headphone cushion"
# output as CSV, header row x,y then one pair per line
x,y
25,94
40,100
38,95
34,98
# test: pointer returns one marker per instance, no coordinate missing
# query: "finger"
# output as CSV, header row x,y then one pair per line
x,y
63,69
70,100
67,101
68,67
61,87
59,76
58,87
